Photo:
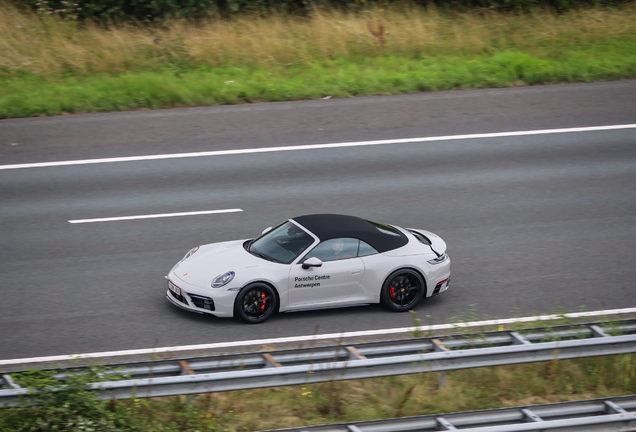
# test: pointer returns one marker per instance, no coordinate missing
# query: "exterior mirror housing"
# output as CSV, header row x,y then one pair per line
x,y
312,262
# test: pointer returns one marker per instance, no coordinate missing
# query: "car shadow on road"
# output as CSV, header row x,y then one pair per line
x,y
315,321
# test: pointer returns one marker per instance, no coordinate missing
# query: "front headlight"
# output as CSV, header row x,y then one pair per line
x,y
223,279
440,259
190,253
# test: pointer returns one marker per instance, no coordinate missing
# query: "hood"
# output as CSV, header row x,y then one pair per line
x,y
215,259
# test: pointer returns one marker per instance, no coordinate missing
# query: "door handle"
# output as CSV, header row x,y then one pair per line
x,y
355,272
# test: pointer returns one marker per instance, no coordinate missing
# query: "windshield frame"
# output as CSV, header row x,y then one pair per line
x,y
264,256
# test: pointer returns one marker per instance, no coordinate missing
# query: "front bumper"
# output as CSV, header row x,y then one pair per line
x,y
219,302
171,297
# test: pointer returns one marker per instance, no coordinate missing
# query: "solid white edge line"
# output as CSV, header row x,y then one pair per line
x,y
310,338
315,146
153,216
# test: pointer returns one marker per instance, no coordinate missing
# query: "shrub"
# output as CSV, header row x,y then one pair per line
x,y
158,10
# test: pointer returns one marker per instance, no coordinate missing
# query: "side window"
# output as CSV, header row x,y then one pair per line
x,y
335,249
366,249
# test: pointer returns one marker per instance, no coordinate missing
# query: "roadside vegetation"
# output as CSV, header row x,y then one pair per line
x,y
332,402
51,63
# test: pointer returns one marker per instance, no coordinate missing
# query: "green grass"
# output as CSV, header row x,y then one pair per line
x,y
50,64
26,96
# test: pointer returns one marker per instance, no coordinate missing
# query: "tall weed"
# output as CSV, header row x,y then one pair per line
x,y
54,45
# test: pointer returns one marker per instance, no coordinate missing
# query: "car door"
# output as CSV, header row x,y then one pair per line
x,y
338,277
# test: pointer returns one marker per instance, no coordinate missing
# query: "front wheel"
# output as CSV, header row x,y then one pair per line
x,y
255,303
402,290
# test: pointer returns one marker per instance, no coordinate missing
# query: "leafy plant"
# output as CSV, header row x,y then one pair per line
x,y
70,405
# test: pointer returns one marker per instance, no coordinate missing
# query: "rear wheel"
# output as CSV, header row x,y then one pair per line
x,y
402,290
255,303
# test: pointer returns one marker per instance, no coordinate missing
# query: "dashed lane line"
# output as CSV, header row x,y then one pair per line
x,y
153,216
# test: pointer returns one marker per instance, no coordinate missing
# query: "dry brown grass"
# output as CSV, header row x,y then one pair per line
x,y
51,47
410,395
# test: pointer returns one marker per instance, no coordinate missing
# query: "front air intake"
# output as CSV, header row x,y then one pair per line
x,y
202,302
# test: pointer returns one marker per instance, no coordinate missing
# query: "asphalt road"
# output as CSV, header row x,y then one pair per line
x,y
534,224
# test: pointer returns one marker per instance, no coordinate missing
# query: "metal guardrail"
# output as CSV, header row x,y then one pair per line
x,y
609,415
320,364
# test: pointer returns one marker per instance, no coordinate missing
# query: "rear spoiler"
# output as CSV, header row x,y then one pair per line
x,y
437,244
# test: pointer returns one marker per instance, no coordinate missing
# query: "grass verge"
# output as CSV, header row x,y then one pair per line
x,y
52,65
333,402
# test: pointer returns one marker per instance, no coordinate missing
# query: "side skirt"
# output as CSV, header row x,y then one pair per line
x,y
313,308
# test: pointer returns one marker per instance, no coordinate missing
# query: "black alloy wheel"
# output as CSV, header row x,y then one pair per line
x,y
255,303
402,290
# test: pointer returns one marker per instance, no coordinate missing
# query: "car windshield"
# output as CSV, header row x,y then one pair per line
x,y
281,244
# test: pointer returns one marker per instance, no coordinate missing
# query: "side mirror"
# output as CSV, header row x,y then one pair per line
x,y
312,262
266,230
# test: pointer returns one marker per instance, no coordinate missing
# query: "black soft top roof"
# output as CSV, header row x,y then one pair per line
x,y
329,226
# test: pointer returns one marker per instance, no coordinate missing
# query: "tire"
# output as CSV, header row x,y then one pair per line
x,y
402,290
255,303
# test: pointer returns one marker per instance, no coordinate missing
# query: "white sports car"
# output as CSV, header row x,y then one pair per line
x,y
311,262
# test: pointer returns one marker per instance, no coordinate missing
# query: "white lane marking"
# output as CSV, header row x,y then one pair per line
x,y
153,216
315,146
338,336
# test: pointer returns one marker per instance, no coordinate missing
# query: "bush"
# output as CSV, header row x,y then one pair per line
x,y
158,10
73,408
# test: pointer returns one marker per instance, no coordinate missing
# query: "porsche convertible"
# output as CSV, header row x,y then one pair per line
x,y
311,262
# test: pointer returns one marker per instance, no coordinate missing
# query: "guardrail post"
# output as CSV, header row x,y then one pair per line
x,y
270,361
517,339
354,354
612,408
598,331
185,370
7,378
530,416
439,346
444,424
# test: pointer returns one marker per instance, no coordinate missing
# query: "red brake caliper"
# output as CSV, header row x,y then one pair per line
x,y
392,292
264,301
